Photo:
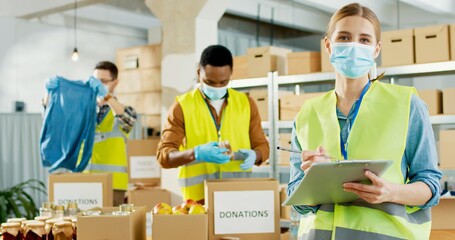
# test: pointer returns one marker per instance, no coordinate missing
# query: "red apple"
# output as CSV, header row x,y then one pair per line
x,y
197,209
186,205
162,208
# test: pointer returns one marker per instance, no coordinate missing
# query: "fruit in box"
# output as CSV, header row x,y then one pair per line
x,y
162,208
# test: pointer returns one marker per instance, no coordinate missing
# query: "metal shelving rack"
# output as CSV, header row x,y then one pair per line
x,y
273,81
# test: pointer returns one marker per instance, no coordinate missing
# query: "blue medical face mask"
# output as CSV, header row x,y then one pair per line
x,y
352,60
213,93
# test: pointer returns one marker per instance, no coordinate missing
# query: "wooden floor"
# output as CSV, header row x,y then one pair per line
x,y
442,234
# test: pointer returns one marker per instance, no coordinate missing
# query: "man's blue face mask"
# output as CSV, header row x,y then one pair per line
x,y
213,93
352,60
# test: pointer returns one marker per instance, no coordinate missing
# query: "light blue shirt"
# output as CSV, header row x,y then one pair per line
x,y
419,162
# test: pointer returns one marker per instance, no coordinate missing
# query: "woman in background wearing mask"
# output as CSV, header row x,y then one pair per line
x,y
202,120
365,119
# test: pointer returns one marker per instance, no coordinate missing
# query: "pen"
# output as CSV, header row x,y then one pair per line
x,y
288,149
297,151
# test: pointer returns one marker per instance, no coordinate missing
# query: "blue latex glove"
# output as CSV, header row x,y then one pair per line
x,y
52,83
250,158
97,86
210,152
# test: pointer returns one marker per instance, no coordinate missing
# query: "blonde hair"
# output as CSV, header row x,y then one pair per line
x,y
354,9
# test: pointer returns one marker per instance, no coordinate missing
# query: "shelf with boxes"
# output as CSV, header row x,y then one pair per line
x,y
277,111
140,82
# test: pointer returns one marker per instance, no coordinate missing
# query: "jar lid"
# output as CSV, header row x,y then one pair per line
x,y
62,224
43,218
35,223
11,224
53,220
59,207
18,220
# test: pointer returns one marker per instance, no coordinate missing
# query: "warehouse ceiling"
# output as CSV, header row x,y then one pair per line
x,y
307,16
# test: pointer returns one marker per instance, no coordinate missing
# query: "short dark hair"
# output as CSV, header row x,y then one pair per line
x,y
106,65
217,56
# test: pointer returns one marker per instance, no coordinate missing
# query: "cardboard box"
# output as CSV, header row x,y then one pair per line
x,y
178,227
129,82
111,227
144,102
303,62
142,164
397,48
290,105
142,57
137,81
240,67
148,197
432,44
261,99
442,214
446,149
433,99
452,41
88,190
248,209
285,212
326,66
448,101
262,60
283,156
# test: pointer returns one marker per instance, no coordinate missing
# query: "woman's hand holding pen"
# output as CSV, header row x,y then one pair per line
x,y
309,157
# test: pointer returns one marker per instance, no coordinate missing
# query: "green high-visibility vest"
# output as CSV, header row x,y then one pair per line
x,y
200,128
109,152
379,133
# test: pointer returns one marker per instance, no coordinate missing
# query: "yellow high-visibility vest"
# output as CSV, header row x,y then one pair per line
x,y
379,133
200,128
109,152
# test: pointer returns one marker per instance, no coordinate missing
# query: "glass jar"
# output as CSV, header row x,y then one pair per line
x,y
72,209
126,207
34,230
59,211
11,231
48,227
62,230
46,209
91,213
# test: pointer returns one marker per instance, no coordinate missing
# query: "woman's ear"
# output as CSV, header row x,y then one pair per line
x,y
328,48
377,50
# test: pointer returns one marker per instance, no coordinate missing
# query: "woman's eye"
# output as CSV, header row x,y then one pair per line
x,y
365,40
343,38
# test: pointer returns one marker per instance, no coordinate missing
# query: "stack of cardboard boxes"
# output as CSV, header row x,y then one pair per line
x,y
140,82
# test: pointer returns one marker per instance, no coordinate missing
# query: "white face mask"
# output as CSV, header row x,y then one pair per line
x,y
213,93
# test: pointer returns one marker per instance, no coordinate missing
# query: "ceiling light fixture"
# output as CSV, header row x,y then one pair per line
x,y
75,55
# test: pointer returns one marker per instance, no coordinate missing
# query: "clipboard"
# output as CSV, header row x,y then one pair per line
x,y
323,183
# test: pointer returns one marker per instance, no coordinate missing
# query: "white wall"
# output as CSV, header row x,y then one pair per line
x,y
32,51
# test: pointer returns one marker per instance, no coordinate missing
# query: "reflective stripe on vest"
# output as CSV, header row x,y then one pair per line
x,y
387,108
200,129
106,168
109,152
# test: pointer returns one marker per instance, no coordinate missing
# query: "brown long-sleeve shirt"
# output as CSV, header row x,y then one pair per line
x,y
174,132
